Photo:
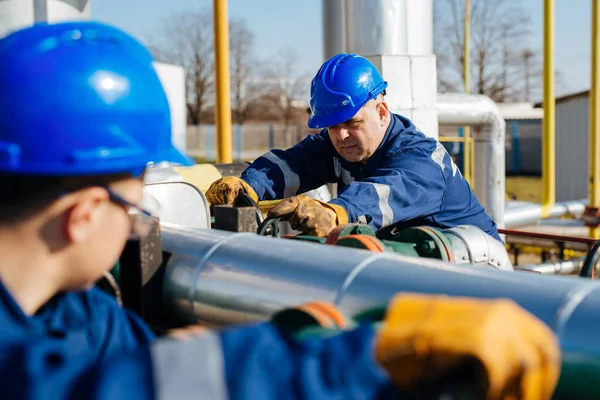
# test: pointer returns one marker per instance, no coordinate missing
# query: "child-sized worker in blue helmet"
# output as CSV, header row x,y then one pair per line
x,y
82,113
389,174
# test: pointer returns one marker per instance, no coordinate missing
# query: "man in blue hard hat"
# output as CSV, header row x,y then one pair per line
x,y
82,113
389,174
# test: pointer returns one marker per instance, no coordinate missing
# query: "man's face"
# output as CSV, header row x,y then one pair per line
x,y
358,138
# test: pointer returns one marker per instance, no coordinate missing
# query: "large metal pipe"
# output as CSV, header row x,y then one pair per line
x,y
567,267
221,278
334,40
518,214
379,27
482,113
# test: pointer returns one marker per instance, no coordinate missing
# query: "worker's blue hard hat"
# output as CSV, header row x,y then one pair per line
x,y
81,98
343,84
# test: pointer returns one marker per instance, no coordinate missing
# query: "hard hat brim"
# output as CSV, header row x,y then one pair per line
x,y
325,121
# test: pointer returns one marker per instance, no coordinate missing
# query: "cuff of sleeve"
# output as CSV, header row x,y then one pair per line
x,y
350,216
254,184
187,369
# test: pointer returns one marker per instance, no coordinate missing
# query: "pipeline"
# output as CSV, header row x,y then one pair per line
x,y
220,278
480,112
556,267
520,213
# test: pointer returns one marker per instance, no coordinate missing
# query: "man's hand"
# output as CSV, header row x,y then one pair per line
x,y
310,216
506,351
187,332
225,190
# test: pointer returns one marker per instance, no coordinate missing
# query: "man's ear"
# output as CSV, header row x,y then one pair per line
x,y
85,213
384,113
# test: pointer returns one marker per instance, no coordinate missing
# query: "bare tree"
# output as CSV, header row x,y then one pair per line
x,y
499,37
245,90
186,39
286,88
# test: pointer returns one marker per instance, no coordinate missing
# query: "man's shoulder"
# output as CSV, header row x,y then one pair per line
x,y
82,306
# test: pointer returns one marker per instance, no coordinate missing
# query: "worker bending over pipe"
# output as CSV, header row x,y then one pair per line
x,y
389,174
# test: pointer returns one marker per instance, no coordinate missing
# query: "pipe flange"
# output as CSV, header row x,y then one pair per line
x,y
481,248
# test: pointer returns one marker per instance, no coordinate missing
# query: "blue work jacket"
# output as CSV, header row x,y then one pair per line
x,y
85,346
410,180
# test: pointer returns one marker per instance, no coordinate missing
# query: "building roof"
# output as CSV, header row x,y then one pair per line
x,y
520,111
567,97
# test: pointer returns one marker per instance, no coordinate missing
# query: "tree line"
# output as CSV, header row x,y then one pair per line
x,y
504,64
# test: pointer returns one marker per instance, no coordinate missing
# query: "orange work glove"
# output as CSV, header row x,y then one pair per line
x,y
311,217
225,190
425,338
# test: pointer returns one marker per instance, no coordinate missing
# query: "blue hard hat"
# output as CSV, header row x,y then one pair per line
x,y
343,84
81,98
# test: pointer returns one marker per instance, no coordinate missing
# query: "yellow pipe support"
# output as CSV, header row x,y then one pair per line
x,y
548,139
223,100
594,182
199,175
450,139
467,148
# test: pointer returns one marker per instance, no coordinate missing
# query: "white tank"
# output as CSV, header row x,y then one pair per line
x,y
17,14
378,27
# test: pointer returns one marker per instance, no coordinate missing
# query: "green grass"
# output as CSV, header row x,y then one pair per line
x,y
203,160
524,188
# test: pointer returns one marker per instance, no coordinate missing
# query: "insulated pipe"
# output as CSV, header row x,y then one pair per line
x,y
557,267
519,214
378,27
334,40
220,278
482,113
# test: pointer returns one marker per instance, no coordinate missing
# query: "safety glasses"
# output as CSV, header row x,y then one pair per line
x,y
143,217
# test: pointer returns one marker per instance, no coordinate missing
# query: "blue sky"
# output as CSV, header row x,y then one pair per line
x,y
298,26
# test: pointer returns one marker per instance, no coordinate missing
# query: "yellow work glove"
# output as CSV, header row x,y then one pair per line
x,y
309,216
225,190
425,337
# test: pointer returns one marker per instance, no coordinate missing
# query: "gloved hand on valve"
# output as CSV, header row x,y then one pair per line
x,y
225,190
495,347
309,216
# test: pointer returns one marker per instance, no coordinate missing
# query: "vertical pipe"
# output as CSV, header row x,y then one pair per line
x,y
208,143
515,146
594,186
223,101
271,137
238,141
461,149
40,10
467,148
334,35
548,139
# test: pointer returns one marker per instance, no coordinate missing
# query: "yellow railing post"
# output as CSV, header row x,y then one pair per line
x,y
594,163
223,100
467,143
548,140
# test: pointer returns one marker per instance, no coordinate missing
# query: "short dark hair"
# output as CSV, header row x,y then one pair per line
x,y
22,196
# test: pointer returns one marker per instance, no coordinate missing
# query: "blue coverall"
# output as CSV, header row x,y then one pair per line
x,y
85,346
409,181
